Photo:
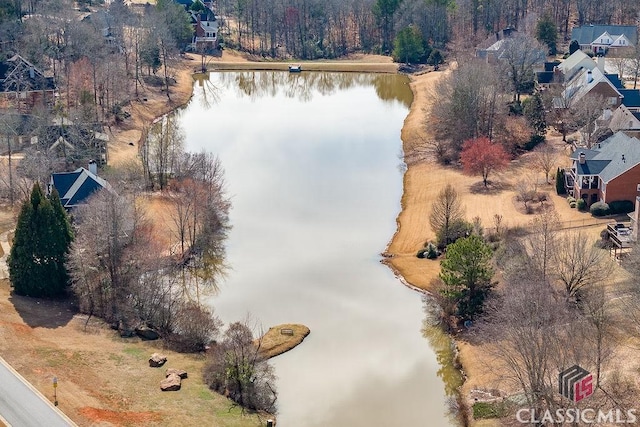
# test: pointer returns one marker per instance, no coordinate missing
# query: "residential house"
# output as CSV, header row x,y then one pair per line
x,y
75,143
205,36
602,39
626,120
609,171
76,187
492,47
589,82
204,22
631,98
23,85
575,63
102,21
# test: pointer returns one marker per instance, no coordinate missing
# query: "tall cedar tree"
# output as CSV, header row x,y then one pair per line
x,y
547,33
481,157
40,247
533,108
560,182
466,273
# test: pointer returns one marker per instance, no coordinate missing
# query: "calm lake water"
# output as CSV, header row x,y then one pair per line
x,y
313,169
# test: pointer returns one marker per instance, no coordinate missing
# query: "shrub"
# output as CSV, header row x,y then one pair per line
x,y
534,141
195,327
431,251
489,410
457,230
599,209
570,199
581,204
572,205
515,108
621,206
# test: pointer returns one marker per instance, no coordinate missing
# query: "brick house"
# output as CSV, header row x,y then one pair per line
x,y
608,172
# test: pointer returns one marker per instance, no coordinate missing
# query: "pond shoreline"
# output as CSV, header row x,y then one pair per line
x,y
412,130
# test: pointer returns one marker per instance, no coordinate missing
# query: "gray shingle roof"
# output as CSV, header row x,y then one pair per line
x,y
616,155
592,167
588,33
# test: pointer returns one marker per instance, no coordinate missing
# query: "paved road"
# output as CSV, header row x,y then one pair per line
x,y
21,405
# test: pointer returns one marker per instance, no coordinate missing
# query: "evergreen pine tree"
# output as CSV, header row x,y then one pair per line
x,y
40,246
560,182
573,46
533,108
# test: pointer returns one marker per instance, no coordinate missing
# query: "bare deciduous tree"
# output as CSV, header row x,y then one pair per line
x,y
446,210
545,160
525,326
580,264
470,105
584,115
542,242
237,368
520,55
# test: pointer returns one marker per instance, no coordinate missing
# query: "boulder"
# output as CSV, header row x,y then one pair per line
x,y
125,330
147,333
179,372
156,360
171,383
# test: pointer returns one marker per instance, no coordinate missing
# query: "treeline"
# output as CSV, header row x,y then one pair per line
x,y
310,29
98,59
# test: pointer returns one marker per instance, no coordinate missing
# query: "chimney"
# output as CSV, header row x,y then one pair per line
x,y
583,158
93,167
601,64
589,76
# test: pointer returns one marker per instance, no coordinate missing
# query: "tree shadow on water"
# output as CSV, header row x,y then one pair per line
x,y
43,313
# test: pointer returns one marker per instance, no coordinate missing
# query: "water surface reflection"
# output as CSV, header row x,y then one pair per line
x,y
304,86
311,164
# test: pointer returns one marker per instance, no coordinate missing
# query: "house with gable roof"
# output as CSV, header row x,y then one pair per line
x,y
624,119
588,82
76,187
23,85
576,62
600,39
205,30
608,172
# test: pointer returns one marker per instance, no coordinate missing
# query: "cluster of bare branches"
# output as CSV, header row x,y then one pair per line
x,y
555,308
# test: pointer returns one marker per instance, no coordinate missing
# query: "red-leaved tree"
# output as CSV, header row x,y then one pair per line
x,y
480,156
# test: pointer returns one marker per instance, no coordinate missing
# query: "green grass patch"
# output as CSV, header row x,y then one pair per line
x,y
485,410
136,352
205,394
